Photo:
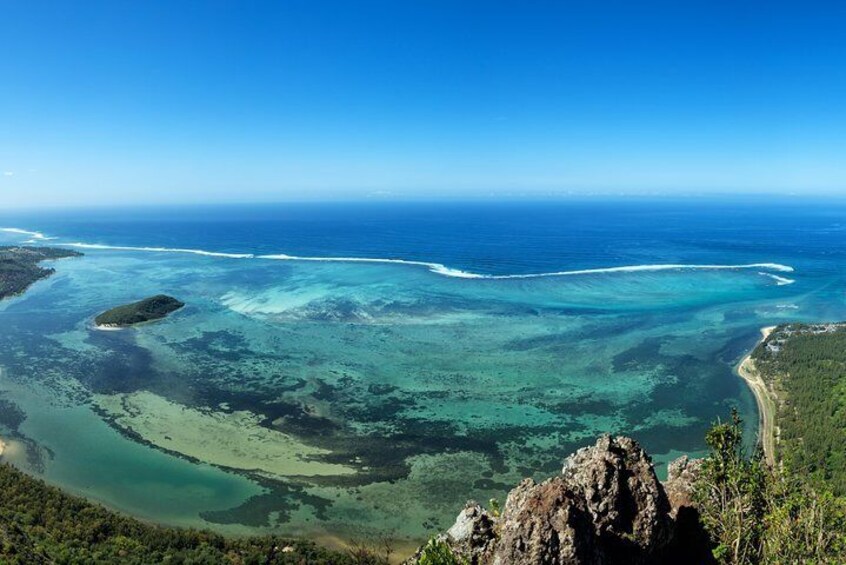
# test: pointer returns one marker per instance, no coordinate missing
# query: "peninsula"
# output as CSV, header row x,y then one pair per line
x,y
147,310
801,371
19,267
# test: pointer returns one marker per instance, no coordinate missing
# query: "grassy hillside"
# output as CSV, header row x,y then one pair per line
x,y
41,524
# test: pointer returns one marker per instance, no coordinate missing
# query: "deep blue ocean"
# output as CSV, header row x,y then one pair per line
x,y
484,237
361,369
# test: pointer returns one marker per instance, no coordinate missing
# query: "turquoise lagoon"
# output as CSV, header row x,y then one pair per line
x,y
367,398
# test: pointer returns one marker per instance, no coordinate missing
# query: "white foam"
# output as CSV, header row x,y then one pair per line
x,y
780,281
449,272
650,268
434,267
81,245
438,268
35,235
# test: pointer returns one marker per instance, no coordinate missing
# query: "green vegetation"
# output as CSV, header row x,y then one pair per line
x,y
437,552
153,308
19,267
805,367
794,512
755,514
730,495
41,524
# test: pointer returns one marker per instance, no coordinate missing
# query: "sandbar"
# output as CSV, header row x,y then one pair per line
x,y
233,440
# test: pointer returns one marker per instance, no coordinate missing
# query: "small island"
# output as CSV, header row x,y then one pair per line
x,y
147,310
19,267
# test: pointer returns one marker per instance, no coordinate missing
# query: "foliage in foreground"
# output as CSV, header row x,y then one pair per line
x,y
755,514
41,524
437,552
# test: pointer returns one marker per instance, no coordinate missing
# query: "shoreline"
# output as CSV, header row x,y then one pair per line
x,y
763,398
107,328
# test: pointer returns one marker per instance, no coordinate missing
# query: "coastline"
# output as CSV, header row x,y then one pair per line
x,y
107,328
766,403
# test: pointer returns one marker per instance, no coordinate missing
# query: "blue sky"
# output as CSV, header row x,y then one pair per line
x,y
126,102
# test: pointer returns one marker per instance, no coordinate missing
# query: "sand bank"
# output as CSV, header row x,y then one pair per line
x,y
763,397
234,440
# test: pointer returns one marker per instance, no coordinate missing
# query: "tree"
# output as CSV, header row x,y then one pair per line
x,y
730,494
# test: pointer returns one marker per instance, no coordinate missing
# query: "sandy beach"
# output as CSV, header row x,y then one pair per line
x,y
766,404
107,328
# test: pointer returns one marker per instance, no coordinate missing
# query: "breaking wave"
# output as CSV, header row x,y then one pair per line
x,y
438,268
780,281
441,269
80,245
35,235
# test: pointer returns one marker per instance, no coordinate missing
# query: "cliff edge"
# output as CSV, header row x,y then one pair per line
x,y
607,506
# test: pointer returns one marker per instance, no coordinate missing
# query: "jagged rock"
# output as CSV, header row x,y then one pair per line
x,y
544,523
690,543
472,534
628,505
681,476
606,507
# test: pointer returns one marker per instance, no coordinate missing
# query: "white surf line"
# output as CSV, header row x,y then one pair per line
x,y
434,267
651,268
35,235
780,281
203,252
438,268
447,271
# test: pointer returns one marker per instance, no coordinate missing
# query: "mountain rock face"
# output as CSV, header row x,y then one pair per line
x,y
606,507
681,476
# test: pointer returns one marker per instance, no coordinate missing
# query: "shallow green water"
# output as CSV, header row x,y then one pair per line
x,y
373,398
430,390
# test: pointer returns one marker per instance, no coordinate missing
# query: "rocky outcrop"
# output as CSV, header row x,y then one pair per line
x,y
690,543
473,533
607,506
681,477
627,503
545,523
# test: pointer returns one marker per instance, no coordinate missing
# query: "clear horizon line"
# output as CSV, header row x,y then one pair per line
x,y
640,196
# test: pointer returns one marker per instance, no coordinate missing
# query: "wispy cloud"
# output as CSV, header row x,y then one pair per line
x,y
8,173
